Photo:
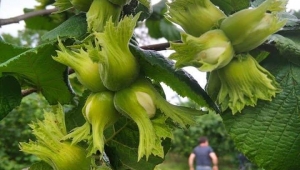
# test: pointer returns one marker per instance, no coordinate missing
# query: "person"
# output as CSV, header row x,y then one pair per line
x,y
242,161
206,158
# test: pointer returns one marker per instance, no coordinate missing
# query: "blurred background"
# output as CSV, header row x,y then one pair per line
x,y
14,128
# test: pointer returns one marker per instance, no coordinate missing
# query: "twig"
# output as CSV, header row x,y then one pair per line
x,y
19,18
28,92
158,47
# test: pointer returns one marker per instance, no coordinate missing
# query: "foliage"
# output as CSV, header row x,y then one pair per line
x,y
15,129
25,38
263,127
268,123
159,26
296,13
209,125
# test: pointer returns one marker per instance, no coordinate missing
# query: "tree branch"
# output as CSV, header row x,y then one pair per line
x,y
158,47
28,92
19,18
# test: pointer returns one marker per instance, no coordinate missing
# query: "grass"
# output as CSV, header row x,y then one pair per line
x,y
175,161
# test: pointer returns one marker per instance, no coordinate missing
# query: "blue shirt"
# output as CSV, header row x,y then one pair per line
x,y
202,155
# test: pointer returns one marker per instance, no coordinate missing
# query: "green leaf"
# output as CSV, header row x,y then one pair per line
x,y
293,34
44,22
159,26
10,95
146,11
124,148
169,30
231,6
10,50
145,3
40,166
154,28
37,69
74,117
287,47
292,20
74,27
157,67
137,6
269,133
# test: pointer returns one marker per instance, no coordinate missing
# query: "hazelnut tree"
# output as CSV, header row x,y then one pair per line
x,y
120,119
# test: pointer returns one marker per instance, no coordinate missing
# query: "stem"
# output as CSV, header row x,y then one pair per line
x,y
156,47
159,47
28,92
28,15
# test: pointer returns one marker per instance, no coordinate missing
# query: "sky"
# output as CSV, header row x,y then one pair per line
x,y
12,8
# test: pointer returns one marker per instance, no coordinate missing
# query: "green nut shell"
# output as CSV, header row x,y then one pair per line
x,y
82,5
